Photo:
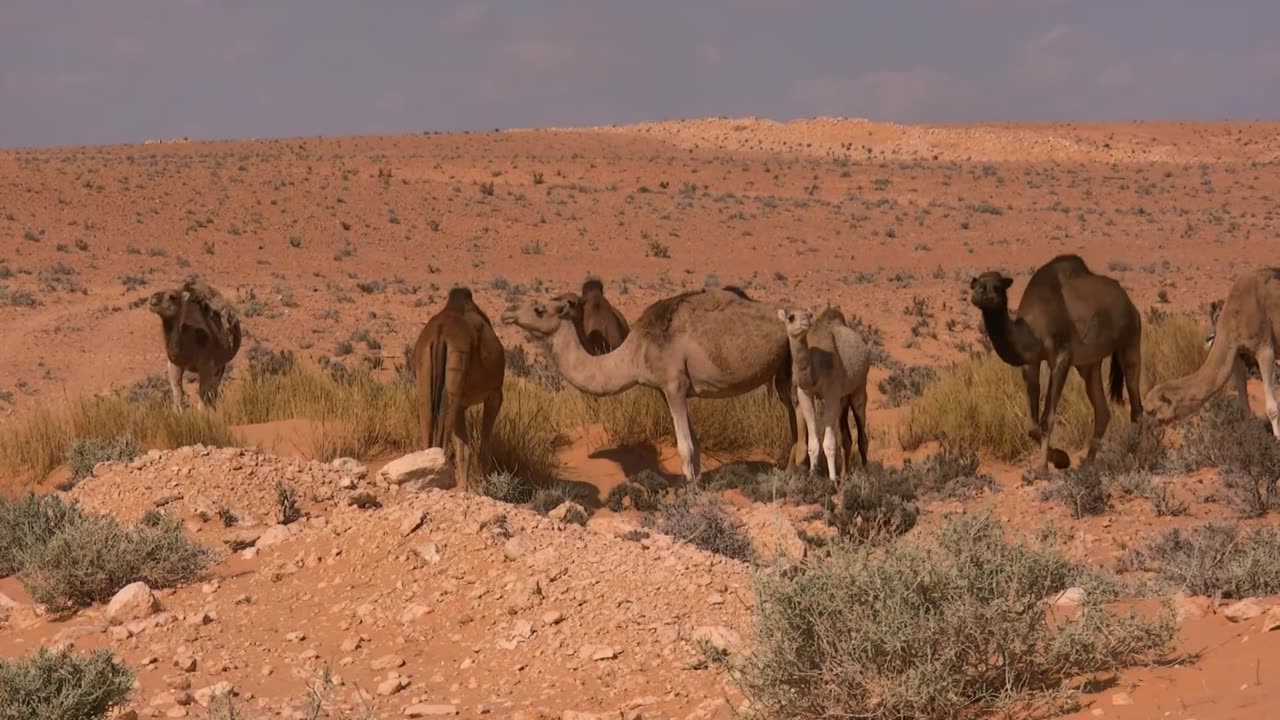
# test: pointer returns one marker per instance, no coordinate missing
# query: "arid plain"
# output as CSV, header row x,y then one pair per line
x,y
337,250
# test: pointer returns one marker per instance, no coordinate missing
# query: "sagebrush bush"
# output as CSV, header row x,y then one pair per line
x,y
945,626
29,522
62,685
1081,489
1242,447
550,498
700,519
645,491
506,487
906,382
877,503
983,403
1213,559
91,557
85,453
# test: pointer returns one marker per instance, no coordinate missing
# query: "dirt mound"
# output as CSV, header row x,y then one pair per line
x,y
435,597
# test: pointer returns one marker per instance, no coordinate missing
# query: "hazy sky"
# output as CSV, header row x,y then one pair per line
x,y
102,71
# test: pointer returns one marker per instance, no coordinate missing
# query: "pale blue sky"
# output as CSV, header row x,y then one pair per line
x,y
103,71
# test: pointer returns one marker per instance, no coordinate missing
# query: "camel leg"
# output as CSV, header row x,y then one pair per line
x,y
1131,364
846,434
859,406
805,401
492,404
464,469
1031,376
1240,375
782,384
175,387
1266,355
831,408
1057,379
1092,376
678,404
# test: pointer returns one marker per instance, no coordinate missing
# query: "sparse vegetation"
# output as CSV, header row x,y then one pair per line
x,y
931,627
63,684
85,453
700,518
1215,559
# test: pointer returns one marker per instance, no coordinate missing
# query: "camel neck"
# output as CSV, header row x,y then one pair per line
x,y
606,374
172,328
801,368
1215,371
1012,339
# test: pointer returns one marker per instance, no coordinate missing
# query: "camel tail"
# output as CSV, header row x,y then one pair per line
x,y
1117,379
444,395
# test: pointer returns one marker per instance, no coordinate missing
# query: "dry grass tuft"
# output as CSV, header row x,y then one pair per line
x,y
982,402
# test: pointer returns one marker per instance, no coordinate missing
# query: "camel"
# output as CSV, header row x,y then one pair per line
x,y
1068,317
603,328
829,361
1248,324
458,362
1250,362
711,343
201,330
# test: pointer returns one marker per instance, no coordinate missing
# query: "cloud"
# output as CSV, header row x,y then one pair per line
x,y
539,55
1050,58
885,94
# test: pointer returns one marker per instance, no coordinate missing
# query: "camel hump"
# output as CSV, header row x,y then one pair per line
x,y
737,291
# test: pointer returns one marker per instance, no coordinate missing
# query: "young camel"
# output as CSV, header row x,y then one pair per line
x,y
1068,317
1248,324
829,361
714,343
458,362
202,334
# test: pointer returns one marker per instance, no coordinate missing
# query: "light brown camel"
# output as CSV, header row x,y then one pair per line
x,y
1068,317
603,327
201,330
714,343
1247,325
830,362
458,362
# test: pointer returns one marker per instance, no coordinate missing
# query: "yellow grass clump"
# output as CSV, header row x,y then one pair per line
x,y
983,402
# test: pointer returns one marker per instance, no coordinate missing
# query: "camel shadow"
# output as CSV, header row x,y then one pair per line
x,y
633,459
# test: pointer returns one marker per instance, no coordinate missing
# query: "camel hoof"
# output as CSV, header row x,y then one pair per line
x,y
1060,459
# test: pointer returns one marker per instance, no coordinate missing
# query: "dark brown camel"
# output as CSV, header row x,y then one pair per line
x,y
1068,317
458,362
603,327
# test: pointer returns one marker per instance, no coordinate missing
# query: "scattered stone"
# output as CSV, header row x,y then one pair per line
x,y
1271,619
597,652
552,617
425,468
185,663
167,497
517,547
1122,698
393,685
350,468
413,520
241,538
387,662
134,601
569,512
1246,609
429,552
1069,598
274,535
364,500
429,710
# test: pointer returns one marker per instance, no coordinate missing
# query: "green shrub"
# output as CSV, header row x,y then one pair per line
x,y
1214,559
1249,461
506,487
949,626
63,685
700,519
91,557
29,522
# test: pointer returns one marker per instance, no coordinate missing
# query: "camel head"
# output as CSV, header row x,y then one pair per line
x,y
990,291
165,303
1164,404
1215,310
798,322
592,286
542,317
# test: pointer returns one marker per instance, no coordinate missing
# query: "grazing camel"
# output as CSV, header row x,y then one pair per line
x,y
458,362
603,328
829,361
714,343
1068,317
1247,325
202,334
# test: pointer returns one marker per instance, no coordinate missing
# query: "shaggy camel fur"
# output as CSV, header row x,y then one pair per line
x,y
202,334
603,328
714,343
1248,325
1068,317
458,362
829,361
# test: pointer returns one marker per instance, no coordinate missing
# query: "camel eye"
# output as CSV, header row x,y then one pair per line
x,y
539,311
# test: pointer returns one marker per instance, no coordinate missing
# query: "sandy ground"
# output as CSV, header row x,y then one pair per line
x,y
317,239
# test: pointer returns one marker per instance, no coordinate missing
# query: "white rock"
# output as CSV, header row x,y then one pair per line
x,y
134,601
425,468
517,547
413,519
430,710
1069,597
274,535
393,685
429,552
1246,609
569,512
350,467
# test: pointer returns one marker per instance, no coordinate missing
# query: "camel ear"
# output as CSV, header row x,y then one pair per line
x,y
564,308
782,315
1006,283
973,282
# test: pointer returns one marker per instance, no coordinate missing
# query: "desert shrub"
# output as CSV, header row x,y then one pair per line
x,y
951,472
506,487
287,510
550,498
878,502
540,370
1081,489
982,401
28,523
85,453
59,685
1242,447
91,557
265,362
700,519
645,491
944,626
749,421
906,382
1215,559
